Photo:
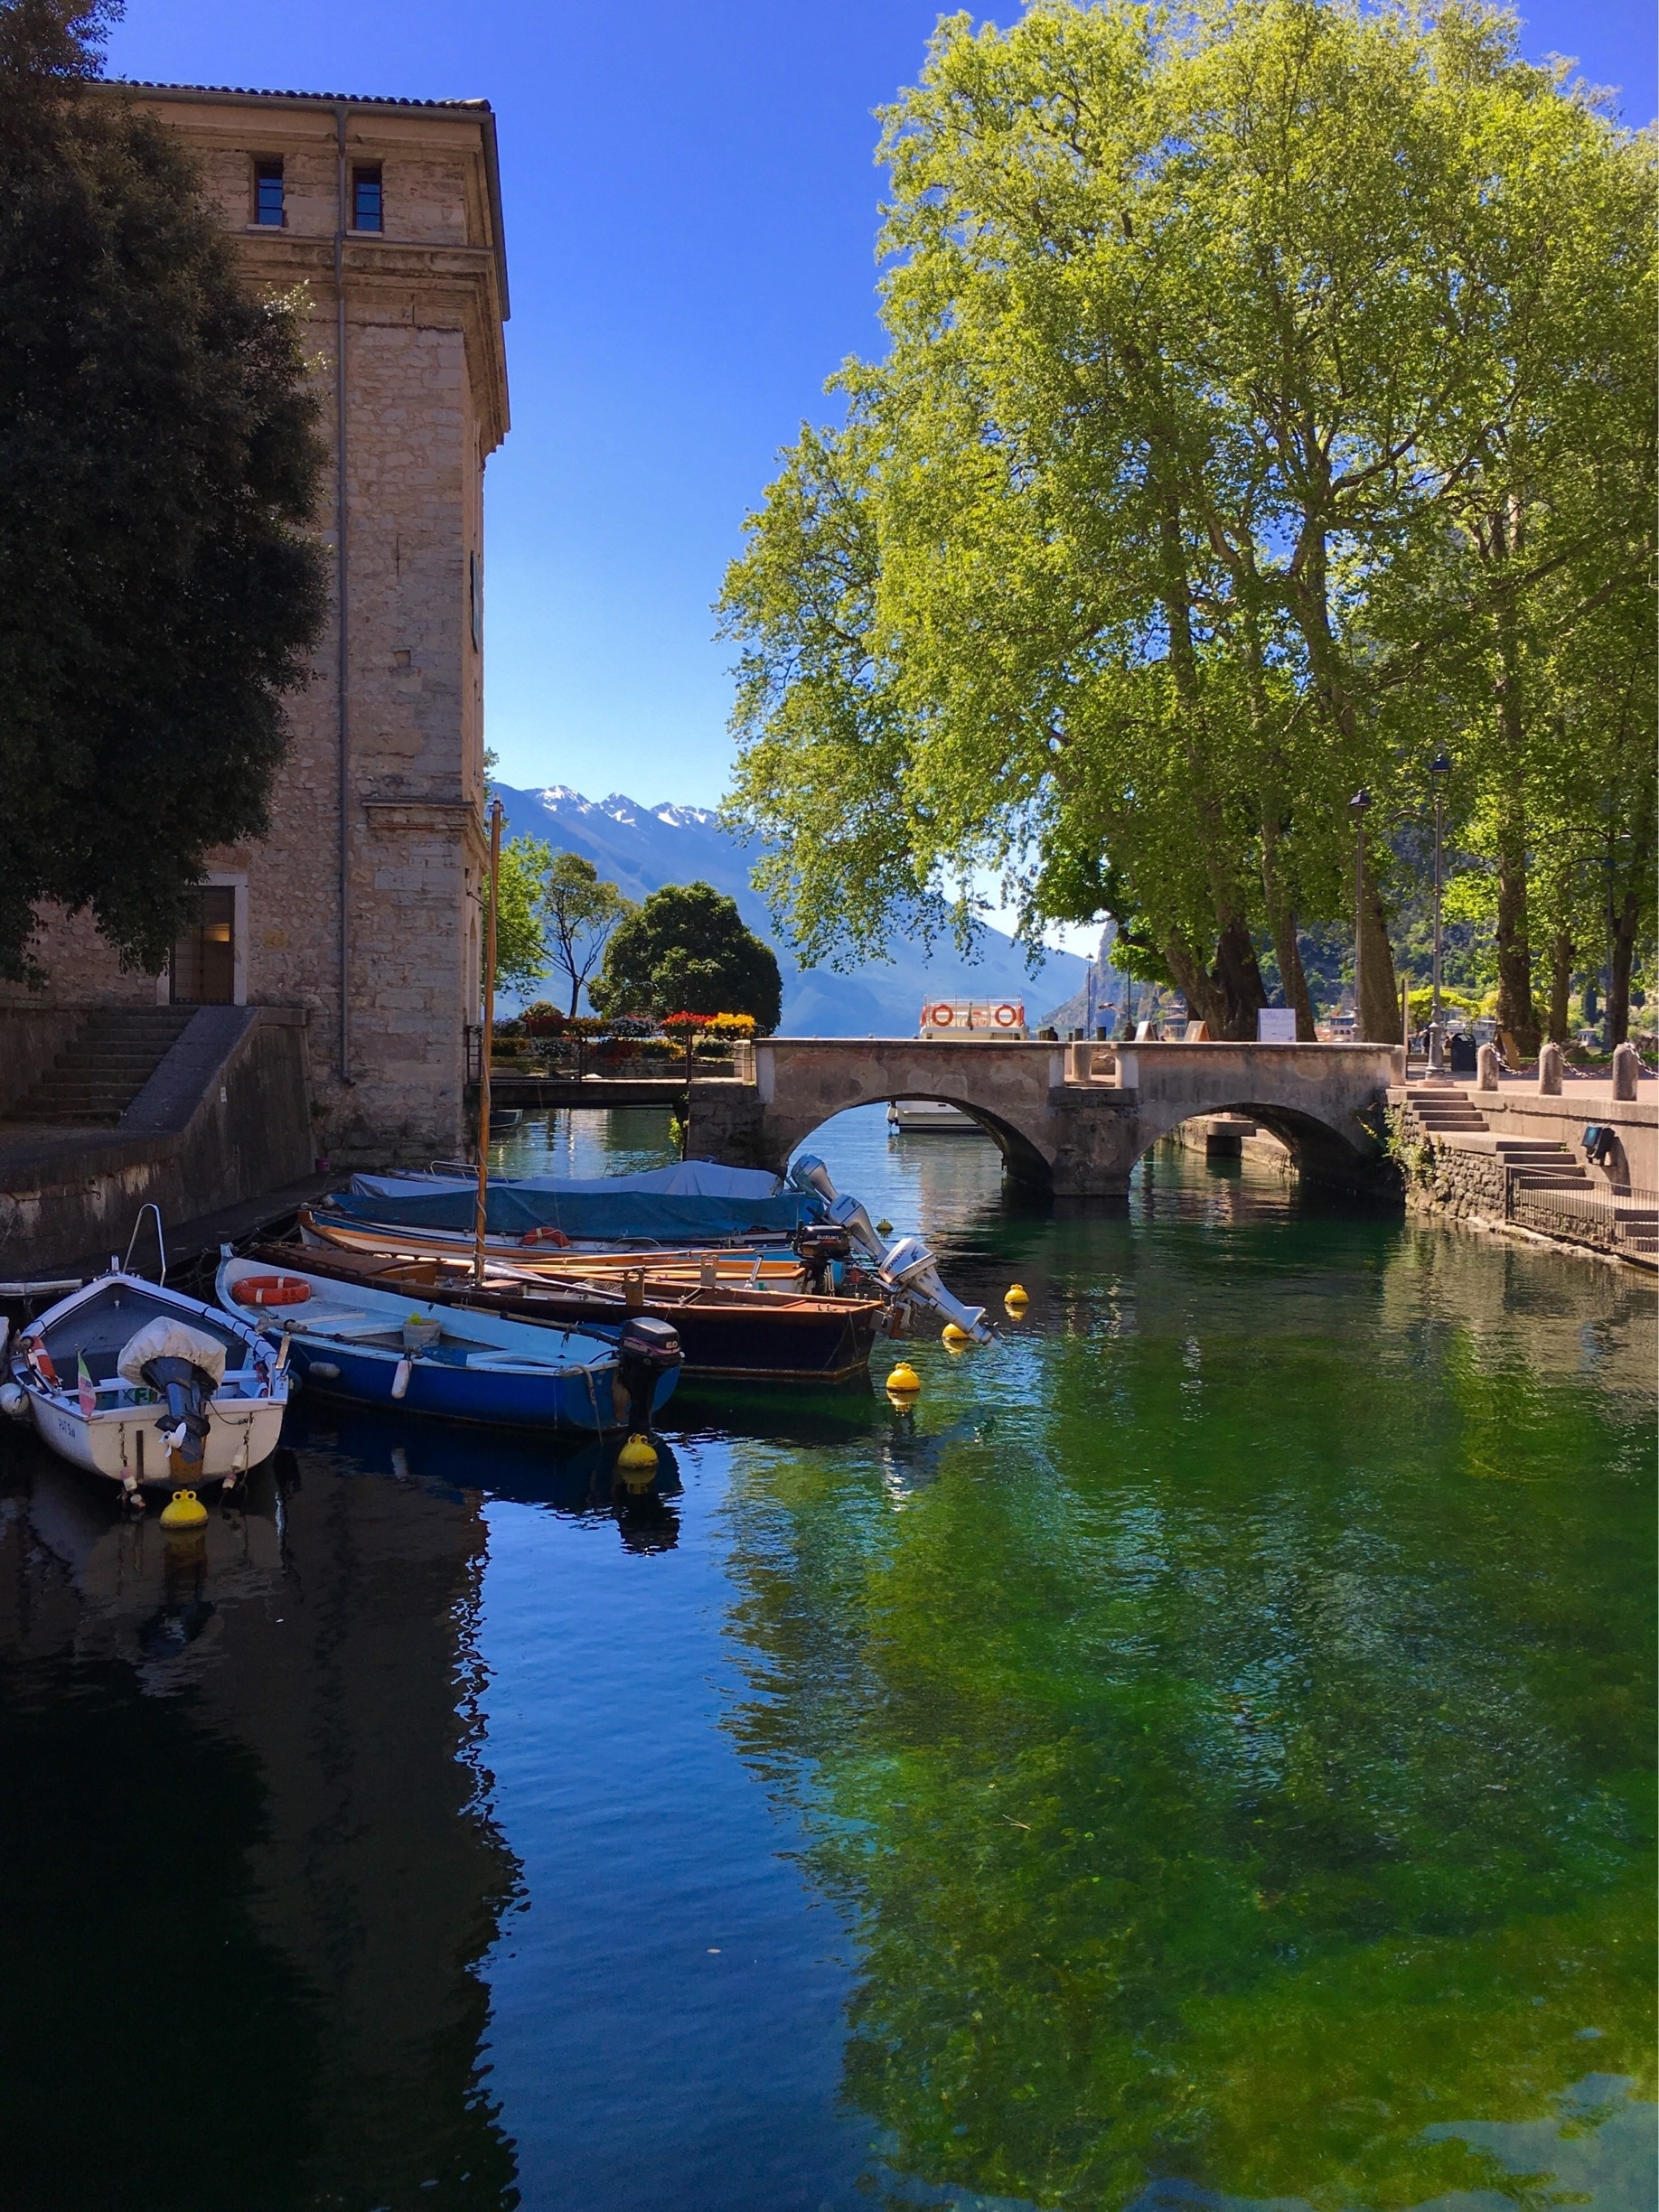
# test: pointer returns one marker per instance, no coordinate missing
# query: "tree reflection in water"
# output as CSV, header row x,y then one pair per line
x,y
1228,1723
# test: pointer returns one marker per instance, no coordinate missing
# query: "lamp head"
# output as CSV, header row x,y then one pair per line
x,y
1441,763
1360,802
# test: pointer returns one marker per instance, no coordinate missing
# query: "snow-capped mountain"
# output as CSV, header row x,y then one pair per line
x,y
640,848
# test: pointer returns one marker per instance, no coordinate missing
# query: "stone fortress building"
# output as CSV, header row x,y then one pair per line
x,y
361,909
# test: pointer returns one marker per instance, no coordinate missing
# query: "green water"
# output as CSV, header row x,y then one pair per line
x,y
1202,1753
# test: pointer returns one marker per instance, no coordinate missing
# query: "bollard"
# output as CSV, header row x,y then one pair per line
x,y
1550,1071
1486,1068
1627,1067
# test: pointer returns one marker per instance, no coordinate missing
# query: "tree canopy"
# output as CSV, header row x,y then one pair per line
x,y
1269,402
159,466
581,909
686,950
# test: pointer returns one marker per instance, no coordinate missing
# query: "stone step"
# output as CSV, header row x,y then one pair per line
x,y
99,1074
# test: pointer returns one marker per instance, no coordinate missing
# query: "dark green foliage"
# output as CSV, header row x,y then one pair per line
x,y
158,465
687,951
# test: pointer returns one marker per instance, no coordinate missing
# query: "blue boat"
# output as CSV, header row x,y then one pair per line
x,y
394,1349
696,1201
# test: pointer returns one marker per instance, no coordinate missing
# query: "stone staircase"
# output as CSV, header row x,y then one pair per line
x,y
1452,1116
93,1081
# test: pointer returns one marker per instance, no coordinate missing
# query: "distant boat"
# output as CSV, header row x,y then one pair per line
x,y
148,1387
931,1118
398,1349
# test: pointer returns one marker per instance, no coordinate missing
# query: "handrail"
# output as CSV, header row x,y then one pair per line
x,y
161,1241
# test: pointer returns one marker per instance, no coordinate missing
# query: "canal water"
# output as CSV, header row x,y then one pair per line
x,y
1200,1756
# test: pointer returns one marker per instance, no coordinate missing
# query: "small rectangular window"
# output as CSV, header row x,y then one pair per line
x,y
267,193
366,204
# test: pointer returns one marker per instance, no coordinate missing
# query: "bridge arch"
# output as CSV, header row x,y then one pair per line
x,y
1022,1159
1317,1148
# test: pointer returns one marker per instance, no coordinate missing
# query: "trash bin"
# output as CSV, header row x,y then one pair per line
x,y
1463,1052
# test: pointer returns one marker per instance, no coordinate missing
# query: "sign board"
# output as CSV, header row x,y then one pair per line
x,y
1276,1026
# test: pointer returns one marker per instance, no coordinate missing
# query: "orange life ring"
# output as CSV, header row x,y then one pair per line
x,y
270,1290
1006,1016
941,1016
40,1359
545,1236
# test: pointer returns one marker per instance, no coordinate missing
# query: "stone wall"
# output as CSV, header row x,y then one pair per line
x,y
225,1117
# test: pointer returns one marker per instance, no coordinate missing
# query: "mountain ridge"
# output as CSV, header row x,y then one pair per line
x,y
640,848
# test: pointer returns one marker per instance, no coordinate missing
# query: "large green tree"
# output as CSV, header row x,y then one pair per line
x,y
581,910
1219,339
159,466
688,951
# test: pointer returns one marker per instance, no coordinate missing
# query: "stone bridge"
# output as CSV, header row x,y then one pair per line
x,y
1070,1118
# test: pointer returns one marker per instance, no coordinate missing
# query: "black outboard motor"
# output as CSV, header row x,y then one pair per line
x,y
187,1389
649,1350
821,1245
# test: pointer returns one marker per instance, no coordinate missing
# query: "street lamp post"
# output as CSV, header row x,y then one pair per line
x,y
1357,805
1440,768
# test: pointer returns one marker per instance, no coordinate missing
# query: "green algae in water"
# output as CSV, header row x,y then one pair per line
x,y
1226,1717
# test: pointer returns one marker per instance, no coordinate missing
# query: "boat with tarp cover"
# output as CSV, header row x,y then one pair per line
x,y
695,1203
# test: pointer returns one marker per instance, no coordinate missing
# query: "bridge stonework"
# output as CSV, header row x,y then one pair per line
x,y
1070,1118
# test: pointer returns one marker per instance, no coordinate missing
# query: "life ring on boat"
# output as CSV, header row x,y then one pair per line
x,y
941,1016
545,1236
40,1359
270,1290
1006,1016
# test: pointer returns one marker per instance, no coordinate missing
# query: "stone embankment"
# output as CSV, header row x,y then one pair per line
x,y
1571,1162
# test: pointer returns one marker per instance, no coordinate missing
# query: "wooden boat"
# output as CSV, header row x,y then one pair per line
x,y
95,1375
738,1266
726,1330
398,1348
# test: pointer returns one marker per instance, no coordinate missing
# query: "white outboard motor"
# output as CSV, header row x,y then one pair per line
x,y
849,1213
909,1268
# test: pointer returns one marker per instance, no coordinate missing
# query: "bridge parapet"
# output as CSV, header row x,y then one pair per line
x,y
1073,1119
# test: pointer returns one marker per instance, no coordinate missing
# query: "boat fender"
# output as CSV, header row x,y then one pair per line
x,y
14,1401
325,1370
400,1380
183,1510
546,1235
270,1290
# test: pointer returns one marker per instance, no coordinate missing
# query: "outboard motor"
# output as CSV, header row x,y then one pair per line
x,y
187,1389
822,1246
649,1350
810,1173
909,1269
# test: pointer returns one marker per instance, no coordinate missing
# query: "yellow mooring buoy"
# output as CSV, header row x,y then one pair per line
x,y
1015,1295
955,1335
638,1456
183,1510
904,1382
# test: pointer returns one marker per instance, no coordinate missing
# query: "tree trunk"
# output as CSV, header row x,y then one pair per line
x,y
1238,976
1379,1016
1516,1012
1625,921
1560,986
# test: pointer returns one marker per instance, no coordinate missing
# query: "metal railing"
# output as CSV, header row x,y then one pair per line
x,y
1605,1217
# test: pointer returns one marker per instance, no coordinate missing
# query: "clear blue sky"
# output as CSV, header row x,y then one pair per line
x,y
690,209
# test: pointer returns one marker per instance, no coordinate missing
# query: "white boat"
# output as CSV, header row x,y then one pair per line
x,y
78,1373
931,1118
